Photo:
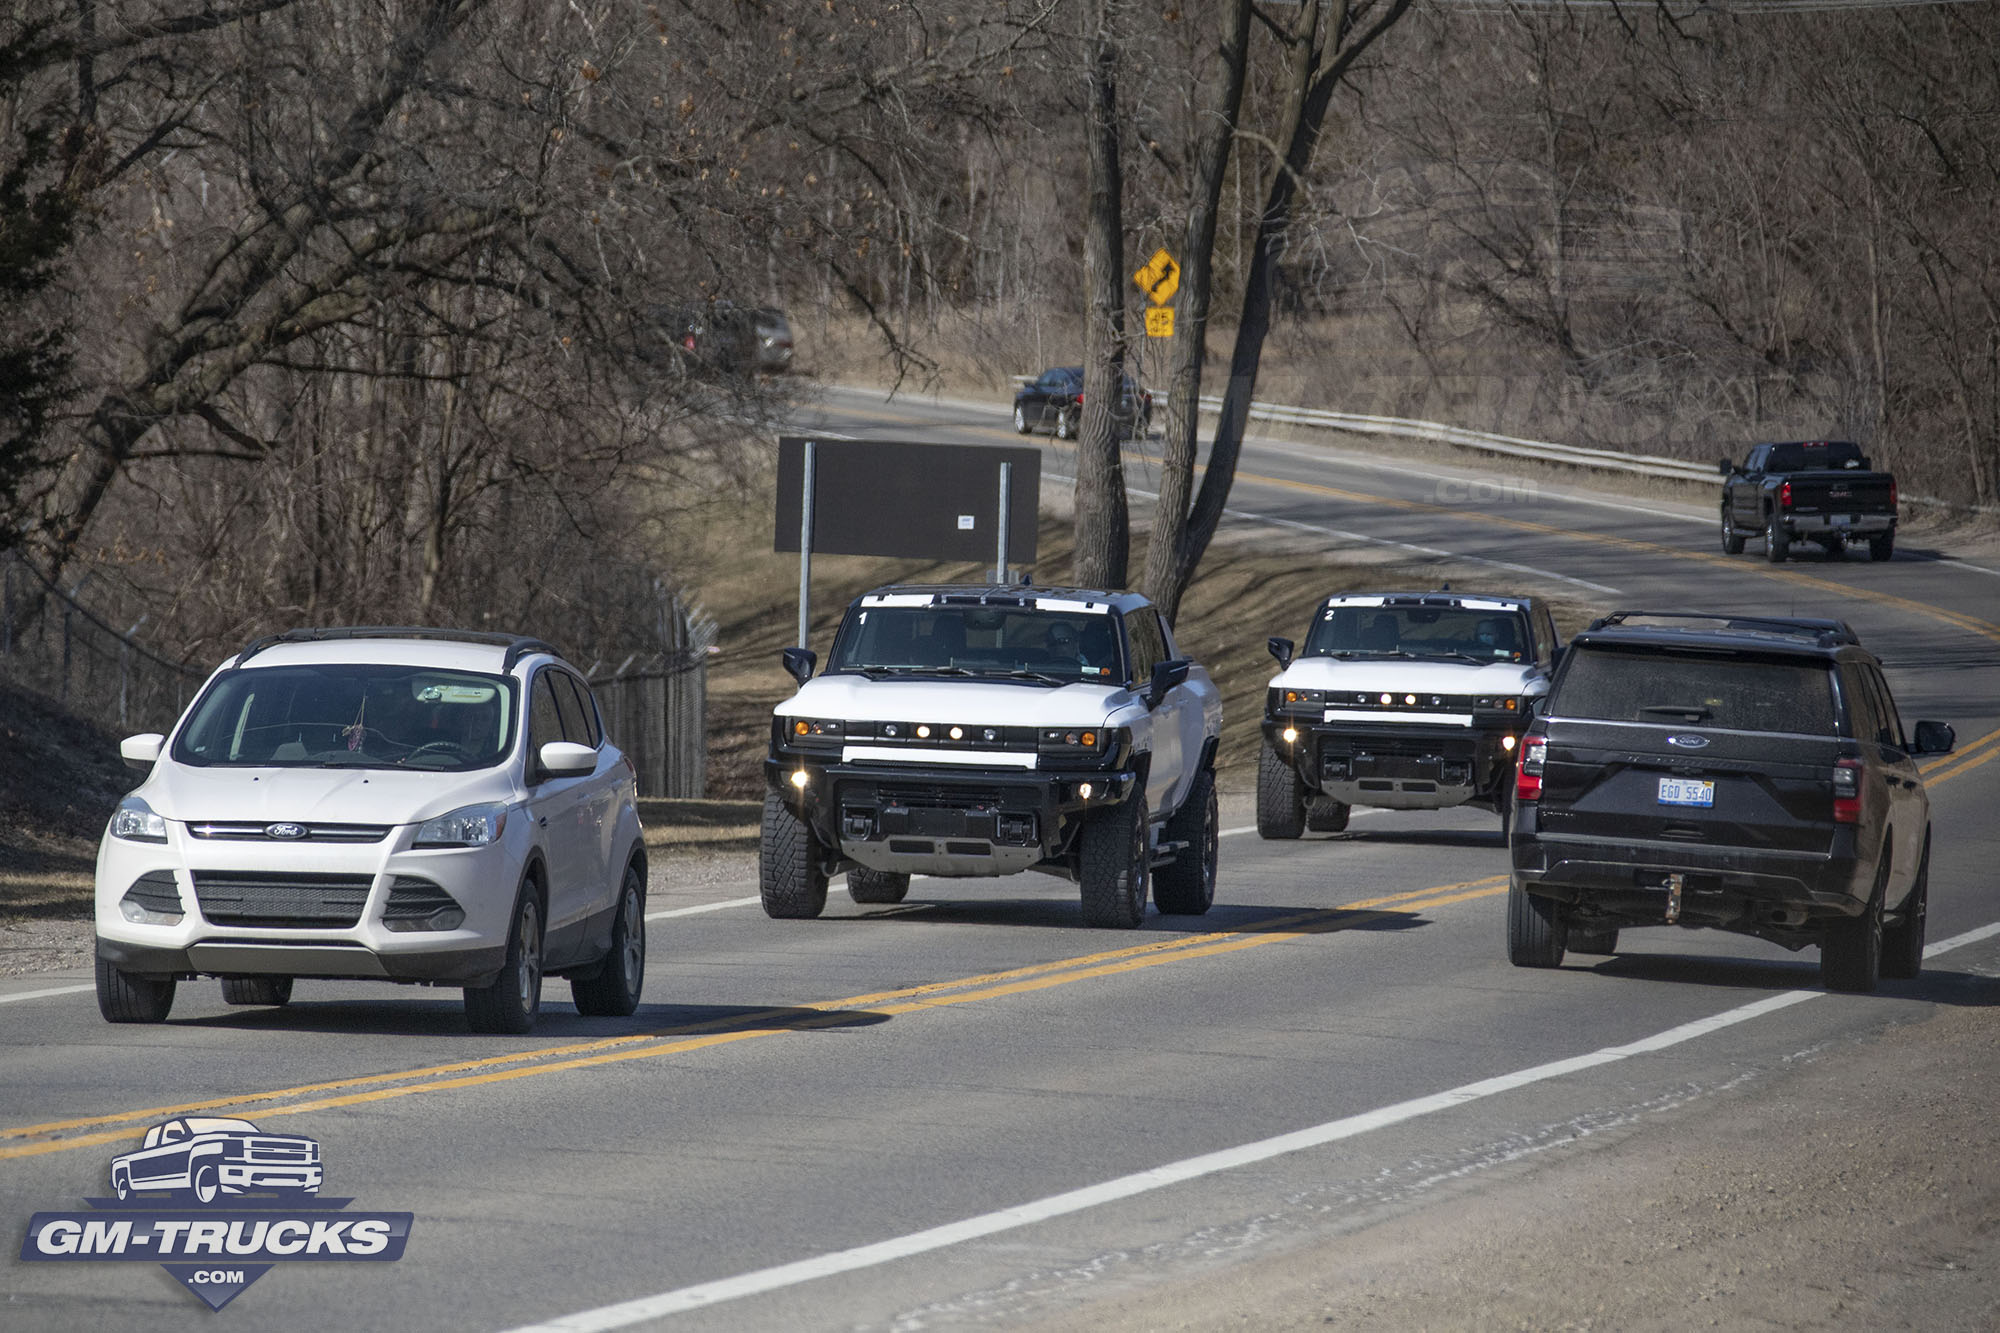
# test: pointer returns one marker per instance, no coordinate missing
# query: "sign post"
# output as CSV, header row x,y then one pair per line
x,y
806,541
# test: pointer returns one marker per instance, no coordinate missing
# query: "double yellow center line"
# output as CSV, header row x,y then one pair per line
x,y
63,1135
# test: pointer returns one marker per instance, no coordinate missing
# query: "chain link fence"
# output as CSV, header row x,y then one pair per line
x,y
52,643
655,704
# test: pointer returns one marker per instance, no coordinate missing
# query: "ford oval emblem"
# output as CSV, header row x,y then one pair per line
x,y
286,831
1688,742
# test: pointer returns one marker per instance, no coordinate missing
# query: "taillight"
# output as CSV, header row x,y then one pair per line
x,y
1847,792
1528,778
1785,494
1892,495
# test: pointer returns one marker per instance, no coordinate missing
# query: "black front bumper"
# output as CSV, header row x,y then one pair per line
x,y
947,819
1416,766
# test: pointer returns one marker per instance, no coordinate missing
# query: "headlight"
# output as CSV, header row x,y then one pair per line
x,y
135,821
1080,743
1291,700
473,826
1505,703
811,733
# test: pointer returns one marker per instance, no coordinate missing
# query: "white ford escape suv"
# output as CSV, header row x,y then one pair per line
x,y
416,805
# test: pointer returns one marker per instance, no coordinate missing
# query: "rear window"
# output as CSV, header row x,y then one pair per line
x,y
1736,693
1813,456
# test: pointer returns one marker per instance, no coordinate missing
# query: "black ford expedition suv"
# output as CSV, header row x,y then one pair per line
x,y
1744,773
1815,490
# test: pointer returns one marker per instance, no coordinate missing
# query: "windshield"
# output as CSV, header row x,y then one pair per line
x,y
1418,631
1061,646
350,716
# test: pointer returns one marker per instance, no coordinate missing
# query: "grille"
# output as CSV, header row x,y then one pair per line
x,y
951,797
262,898
1402,747
156,892
240,831
413,898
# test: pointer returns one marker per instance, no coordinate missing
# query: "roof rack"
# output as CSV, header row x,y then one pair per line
x,y
518,646
1826,633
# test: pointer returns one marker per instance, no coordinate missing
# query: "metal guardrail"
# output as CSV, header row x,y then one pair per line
x,y
1575,455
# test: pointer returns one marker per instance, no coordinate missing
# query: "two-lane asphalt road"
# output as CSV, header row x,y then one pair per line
x,y
968,1109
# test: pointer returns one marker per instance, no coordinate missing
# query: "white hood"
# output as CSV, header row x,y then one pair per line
x,y
957,699
304,795
1400,675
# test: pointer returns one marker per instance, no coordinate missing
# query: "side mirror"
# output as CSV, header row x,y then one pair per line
x,y
1726,468
1935,738
567,759
800,663
1280,649
1166,675
142,751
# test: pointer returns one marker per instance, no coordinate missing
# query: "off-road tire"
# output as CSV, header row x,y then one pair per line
x,y
1602,943
1281,797
1777,543
1326,815
1850,955
273,991
1114,866
877,886
1186,887
1732,540
1537,934
1066,424
512,1002
791,878
1903,943
613,991
1021,422
1882,547
124,998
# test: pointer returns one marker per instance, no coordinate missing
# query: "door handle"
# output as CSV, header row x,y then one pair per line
x,y
544,821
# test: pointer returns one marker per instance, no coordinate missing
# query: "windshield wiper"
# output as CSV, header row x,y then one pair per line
x,y
1022,673
876,672
1463,657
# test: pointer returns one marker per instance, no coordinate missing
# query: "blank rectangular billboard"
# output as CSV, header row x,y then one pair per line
x,y
909,500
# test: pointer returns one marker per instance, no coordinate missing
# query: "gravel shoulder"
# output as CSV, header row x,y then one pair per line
x,y
1859,1190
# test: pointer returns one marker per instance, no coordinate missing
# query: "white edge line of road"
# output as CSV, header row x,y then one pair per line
x,y
1433,551
764,1280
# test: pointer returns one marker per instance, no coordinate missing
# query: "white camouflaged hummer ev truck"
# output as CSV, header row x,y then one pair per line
x,y
971,731
1405,701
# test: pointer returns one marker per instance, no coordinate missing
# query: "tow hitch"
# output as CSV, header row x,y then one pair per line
x,y
1674,884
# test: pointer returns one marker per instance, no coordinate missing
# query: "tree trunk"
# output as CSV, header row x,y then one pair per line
x,y
1103,527
1324,47
1164,578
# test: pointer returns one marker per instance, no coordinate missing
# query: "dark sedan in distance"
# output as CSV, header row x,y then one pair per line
x,y
1053,400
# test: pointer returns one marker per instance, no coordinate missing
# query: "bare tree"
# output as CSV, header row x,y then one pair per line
x,y
1318,47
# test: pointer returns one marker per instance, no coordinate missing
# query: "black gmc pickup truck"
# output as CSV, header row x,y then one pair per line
x,y
1814,490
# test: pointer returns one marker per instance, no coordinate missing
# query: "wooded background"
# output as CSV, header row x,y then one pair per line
x,y
351,312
